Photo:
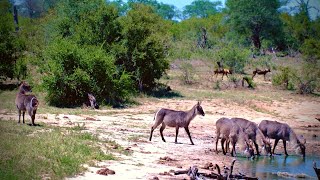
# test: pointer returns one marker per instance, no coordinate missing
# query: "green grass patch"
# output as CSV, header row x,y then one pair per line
x,y
40,152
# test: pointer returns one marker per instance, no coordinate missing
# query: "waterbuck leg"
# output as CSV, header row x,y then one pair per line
x,y
222,146
275,144
257,148
32,119
23,112
285,147
187,130
156,124
152,129
161,130
227,146
177,132
19,113
217,143
233,151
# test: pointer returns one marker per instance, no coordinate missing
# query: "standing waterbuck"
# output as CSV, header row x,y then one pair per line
x,y
276,130
229,131
177,119
26,102
254,133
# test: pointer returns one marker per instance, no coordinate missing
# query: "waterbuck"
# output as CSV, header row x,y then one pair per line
x,y
261,72
229,131
276,130
92,102
254,133
177,119
26,102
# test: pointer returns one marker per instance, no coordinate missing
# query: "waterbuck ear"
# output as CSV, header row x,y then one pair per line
x,y
199,103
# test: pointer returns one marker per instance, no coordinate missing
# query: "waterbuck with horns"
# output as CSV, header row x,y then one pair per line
x,y
229,131
26,102
276,130
254,133
177,119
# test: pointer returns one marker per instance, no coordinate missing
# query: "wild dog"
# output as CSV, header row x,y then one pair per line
x,y
261,72
223,72
25,102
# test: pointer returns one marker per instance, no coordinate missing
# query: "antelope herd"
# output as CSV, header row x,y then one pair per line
x,y
228,130
233,130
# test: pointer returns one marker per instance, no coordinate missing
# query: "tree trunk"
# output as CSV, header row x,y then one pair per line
x,y
256,40
15,17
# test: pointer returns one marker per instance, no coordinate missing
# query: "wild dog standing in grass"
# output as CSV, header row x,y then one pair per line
x,y
175,119
25,102
223,72
261,72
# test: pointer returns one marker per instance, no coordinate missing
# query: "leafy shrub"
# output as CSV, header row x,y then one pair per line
x,y
310,50
286,78
263,62
217,85
309,80
11,44
249,81
233,56
72,71
143,46
187,72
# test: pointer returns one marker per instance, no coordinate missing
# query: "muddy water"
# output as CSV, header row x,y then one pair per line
x,y
286,167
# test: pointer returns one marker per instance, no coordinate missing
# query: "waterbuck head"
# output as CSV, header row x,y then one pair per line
x,y
249,152
24,88
199,109
267,146
300,147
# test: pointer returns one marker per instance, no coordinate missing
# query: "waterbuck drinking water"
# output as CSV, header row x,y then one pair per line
x,y
276,130
229,131
254,133
26,102
177,119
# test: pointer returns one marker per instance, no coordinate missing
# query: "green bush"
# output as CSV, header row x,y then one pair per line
x,y
286,77
233,56
11,43
310,50
249,81
309,80
72,71
187,72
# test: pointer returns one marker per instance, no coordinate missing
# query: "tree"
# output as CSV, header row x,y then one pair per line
x,y
143,46
79,58
201,9
256,19
166,11
11,45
